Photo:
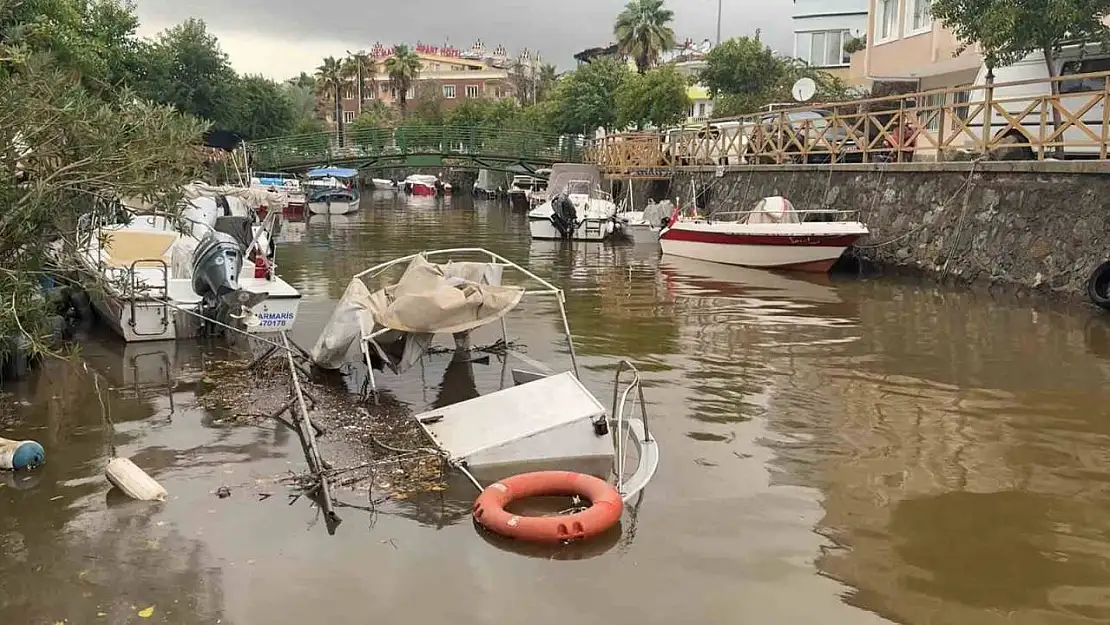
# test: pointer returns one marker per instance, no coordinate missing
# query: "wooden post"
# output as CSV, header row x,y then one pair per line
x,y
988,106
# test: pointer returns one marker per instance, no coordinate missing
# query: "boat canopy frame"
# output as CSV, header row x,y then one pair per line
x,y
545,288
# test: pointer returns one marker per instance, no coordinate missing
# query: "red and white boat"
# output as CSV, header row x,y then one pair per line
x,y
772,236
423,184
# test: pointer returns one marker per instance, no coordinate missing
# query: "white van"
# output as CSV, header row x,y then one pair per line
x,y
1022,102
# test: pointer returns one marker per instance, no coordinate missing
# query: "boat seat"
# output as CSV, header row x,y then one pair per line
x,y
124,247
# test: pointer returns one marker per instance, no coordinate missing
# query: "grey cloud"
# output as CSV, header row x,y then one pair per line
x,y
556,28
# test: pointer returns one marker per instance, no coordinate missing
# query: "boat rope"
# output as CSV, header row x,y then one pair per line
x,y
964,187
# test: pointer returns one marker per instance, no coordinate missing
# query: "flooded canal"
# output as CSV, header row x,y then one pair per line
x,y
833,452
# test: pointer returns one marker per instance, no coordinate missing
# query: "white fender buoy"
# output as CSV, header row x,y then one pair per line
x,y
20,455
136,484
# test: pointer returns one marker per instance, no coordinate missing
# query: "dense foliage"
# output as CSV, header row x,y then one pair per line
x,y
643,33
744,75
77,135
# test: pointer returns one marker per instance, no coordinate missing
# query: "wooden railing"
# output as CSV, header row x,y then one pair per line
x,y
1003,121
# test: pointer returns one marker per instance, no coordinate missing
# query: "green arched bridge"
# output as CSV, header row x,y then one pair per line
x,y
418,146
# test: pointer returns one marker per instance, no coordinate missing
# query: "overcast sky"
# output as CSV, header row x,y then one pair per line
x,y
281,38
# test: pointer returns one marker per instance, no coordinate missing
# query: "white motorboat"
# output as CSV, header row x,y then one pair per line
x,y
162,279
331,191
385,184
643,227
491,436
576,208
772,236
523,188
284,188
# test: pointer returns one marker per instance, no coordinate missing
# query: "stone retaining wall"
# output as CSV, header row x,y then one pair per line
x,y
1035,225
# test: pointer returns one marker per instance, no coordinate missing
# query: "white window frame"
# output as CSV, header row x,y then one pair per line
x,y
452,94
477,91
880,17
907,18
348,117
806,55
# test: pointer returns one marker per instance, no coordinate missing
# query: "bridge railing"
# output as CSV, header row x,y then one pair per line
x,y
449,141
1003,121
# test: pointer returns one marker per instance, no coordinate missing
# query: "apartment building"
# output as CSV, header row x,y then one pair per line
x,y
452,74
822,29
905,43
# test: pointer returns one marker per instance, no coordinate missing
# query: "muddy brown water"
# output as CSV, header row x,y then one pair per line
x,y
835,451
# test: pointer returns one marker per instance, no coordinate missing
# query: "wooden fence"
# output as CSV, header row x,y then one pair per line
x,y
1005,121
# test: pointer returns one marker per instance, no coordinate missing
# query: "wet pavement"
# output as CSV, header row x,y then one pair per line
x,y
833,451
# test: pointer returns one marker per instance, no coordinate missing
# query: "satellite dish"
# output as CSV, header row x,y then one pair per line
x,y
804,89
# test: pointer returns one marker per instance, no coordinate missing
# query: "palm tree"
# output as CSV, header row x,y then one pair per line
x,y
357,66
403,68
548,75
642,32
330,80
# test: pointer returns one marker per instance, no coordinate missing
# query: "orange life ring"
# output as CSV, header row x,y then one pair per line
x,y
604,512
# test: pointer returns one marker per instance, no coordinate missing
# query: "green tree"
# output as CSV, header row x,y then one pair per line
x,y
95,38
70,154
546,80
357,66
187,69
403,69
265,109
483,113
657,98
1007,31
643,33
583,100
741,66
331,81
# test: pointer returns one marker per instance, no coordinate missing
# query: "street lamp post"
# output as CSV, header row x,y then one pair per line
x,y
719,22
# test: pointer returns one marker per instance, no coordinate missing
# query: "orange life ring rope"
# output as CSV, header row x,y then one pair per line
x,y
604,512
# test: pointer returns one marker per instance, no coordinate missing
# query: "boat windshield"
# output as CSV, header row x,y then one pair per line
x,y
578,187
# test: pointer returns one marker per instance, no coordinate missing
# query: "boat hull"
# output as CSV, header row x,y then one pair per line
x,y
421,189
341,207
812,253
641,234
588,229
150,320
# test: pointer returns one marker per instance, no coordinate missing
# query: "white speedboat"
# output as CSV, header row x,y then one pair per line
x,y
385,184
161,279
330,191
576,207
771,236
285,188
497,434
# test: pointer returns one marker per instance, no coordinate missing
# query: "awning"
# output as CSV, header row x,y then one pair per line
x,y
334,172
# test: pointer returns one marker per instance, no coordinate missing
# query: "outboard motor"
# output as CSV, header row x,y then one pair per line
x,y
564,216
217,262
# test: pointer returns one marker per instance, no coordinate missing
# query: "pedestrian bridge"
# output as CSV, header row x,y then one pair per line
x,y
474,147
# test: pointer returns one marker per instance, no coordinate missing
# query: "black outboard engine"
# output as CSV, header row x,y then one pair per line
x,y
217,262
564,215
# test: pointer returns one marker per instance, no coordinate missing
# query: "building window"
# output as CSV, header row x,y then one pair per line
x,y
701,109
449,92
472,91
410,93
823,48
920,19
348,117
931,109
886,19
386,89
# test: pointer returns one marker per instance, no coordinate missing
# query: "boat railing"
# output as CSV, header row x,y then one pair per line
x,y
620,400
841,215
543,288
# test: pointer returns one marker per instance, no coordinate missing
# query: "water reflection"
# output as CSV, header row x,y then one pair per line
x,y
834,451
